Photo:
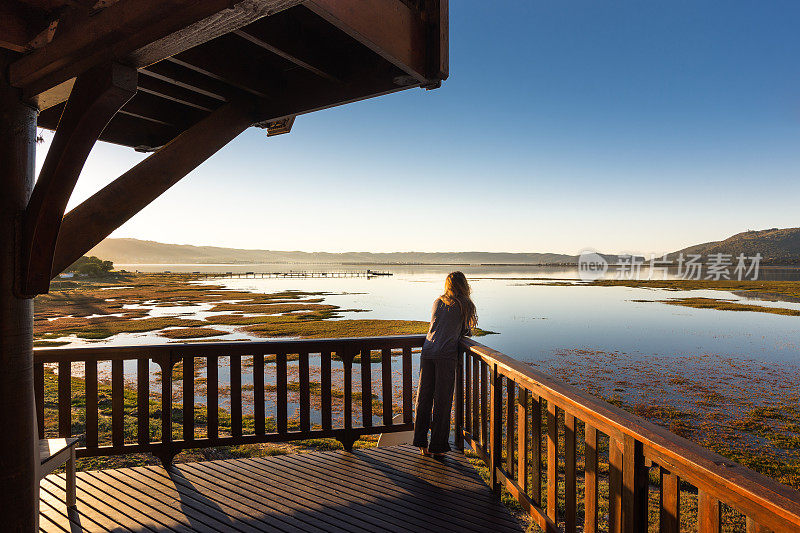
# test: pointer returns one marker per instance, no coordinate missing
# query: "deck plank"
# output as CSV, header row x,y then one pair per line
x,y
442,502
422,518
375,489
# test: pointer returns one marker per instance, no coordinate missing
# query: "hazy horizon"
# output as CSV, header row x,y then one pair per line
x,y
357,251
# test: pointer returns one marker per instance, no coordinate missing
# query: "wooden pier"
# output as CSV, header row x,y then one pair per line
x,y
294,274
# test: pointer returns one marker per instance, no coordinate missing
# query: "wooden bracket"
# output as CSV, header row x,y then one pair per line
x,y
95,219
97,95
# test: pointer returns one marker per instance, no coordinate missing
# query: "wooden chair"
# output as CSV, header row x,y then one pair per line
x,y
54,453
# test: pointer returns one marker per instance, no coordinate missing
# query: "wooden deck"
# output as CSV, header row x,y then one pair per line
x,y
378,489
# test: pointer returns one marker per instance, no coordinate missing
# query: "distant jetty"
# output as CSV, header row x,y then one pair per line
x,y
289,274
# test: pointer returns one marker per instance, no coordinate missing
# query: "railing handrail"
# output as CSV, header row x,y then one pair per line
x,y
202,349
751,492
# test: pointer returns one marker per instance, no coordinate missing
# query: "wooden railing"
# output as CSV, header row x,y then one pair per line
x,y
185,426
523,424
500,403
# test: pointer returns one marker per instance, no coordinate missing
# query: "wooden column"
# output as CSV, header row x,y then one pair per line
x,y
18,448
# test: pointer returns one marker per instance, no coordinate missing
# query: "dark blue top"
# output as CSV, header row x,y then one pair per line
x,y
445,331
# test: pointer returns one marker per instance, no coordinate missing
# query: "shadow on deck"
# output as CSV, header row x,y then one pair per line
x,y
376,489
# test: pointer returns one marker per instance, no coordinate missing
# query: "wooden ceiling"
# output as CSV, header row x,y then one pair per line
x,y
193,56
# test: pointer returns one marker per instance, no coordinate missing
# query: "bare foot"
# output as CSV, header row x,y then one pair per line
x,y
425,452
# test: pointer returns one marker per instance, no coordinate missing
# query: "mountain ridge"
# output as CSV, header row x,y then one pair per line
x,y
776,246
136,251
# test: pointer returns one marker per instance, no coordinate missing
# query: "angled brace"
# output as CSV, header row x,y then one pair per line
x,y
97,95
109,208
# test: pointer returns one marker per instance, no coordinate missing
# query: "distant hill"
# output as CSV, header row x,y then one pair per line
x,y
138,251
776,246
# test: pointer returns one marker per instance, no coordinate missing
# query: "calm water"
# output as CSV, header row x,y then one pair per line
x,y
535,320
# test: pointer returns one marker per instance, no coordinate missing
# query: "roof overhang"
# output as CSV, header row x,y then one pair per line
x,y
193,56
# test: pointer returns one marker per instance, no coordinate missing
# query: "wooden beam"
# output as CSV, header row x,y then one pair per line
x,y
144,136
189,80
279,41
164,111
225,63
389,28
437,15
95,219
174,93
324,96
136,32
16,29
97,96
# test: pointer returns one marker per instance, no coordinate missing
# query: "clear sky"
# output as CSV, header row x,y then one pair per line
x,y
625,126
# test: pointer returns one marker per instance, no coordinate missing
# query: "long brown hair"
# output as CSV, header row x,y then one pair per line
x,y
457,292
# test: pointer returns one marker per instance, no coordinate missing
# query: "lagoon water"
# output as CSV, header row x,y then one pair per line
x,y
536,319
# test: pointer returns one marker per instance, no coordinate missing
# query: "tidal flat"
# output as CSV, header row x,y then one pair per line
x,y
174,307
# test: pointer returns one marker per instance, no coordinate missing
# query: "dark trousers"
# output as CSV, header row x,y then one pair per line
x,y
435,396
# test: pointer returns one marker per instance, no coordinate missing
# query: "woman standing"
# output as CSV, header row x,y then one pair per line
x,y
453,316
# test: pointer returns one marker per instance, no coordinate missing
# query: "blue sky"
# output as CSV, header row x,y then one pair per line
x,y
624,126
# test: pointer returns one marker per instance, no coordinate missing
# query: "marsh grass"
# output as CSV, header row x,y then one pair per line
x,y
191,333
788,290
728,305
96,310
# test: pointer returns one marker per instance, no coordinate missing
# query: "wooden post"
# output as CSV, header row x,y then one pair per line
x,y
18,446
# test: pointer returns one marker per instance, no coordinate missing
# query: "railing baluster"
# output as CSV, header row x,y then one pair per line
x,y
166,400
347,361
142,400
325,389
38,392
484,413
90,383
476,404
305,393
536,450
523,434
366,388
117,403
614,486
386,386
236,395
188,397
459,390
468,394
634,486
708,513
496,430
212,396
510,420
259,415
570,477
64,399
408,408
281,398
590,480
669,502
552,461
